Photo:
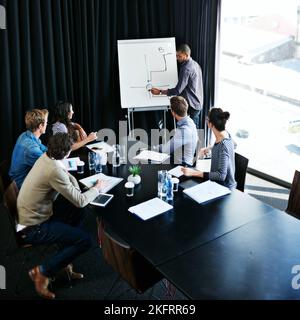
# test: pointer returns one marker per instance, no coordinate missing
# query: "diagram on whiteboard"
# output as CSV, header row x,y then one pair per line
x,y
149,72
144,64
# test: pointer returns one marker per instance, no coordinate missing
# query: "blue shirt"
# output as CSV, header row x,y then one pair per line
x,y
189,84
27,150
184,142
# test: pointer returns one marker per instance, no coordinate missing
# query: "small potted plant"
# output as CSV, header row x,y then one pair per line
x,y
135,174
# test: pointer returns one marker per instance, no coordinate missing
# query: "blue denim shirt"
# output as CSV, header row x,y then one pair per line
x,y
27,150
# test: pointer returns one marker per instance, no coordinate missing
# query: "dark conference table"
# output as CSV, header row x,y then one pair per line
x,y
187,244
187,226
253,262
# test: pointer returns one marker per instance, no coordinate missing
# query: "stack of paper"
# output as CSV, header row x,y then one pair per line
x,y
100,146
110,182
176,172
150,208
203,165
71,163
152,155
206,191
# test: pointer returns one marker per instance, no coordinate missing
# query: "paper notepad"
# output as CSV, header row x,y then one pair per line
x,y
150,208
203,165
110,181
100,146
152,155
206,191
176,172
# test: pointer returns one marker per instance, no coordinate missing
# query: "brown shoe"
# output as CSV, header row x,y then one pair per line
x,y
73,275
41,283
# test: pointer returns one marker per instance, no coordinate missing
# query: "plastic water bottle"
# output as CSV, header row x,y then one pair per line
x,y
116,156
169,185
98,166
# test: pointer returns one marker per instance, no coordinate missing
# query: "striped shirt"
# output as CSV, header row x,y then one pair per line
x,y
222,164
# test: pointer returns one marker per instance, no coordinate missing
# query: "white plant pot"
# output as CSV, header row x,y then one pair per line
x,y
135,179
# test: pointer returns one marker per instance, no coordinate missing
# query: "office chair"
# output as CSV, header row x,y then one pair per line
x,y
15,242
241,165
4,176
126,261
293,207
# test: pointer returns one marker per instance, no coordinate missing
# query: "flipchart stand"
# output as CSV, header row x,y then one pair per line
x,y
130,117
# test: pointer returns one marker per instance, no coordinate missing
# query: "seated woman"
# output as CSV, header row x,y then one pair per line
x,y
222,153
63,114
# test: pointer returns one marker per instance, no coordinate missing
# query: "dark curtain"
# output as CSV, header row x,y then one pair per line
x,y
67,49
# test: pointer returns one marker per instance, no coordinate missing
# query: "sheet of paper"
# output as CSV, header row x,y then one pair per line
x,y
100,146
110,181
176,172
150,208
203,165
152,155
206,191
71,163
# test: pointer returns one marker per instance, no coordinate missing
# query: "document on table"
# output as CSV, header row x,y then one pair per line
x,y
150,208
206,191
71,163
152,155
203,165
109,181
176,172
100,146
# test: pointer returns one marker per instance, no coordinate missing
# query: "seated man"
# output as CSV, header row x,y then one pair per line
x,y
42,220
28,147
185,137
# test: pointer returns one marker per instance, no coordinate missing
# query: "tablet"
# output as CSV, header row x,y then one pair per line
x,y
102,200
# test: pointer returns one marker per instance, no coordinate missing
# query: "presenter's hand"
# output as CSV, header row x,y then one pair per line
x,y
155,91
91,137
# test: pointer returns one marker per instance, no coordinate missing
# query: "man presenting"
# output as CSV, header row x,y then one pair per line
x,y
189,83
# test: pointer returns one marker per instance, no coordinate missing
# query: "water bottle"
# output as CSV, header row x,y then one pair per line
x,y
116,156
98,165
169,185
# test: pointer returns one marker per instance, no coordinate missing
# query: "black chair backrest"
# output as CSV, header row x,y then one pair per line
x,y
241,165
4,176
132,267
293,207
10,200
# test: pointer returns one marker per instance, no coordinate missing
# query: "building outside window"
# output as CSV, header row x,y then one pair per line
x,y
259,82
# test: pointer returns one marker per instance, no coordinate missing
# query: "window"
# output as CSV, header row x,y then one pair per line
x,y
259,82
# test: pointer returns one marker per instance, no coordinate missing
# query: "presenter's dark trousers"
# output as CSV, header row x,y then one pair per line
x,y
195,116
64,229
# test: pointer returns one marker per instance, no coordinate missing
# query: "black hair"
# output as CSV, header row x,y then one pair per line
x,y
218,118
58,146
184,48
61,112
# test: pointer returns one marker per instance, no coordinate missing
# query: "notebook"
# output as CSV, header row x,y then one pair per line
x,y
110,181
150,208
152,155
206,191
100,146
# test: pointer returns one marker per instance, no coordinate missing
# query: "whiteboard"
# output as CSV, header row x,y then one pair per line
x,y
143,64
